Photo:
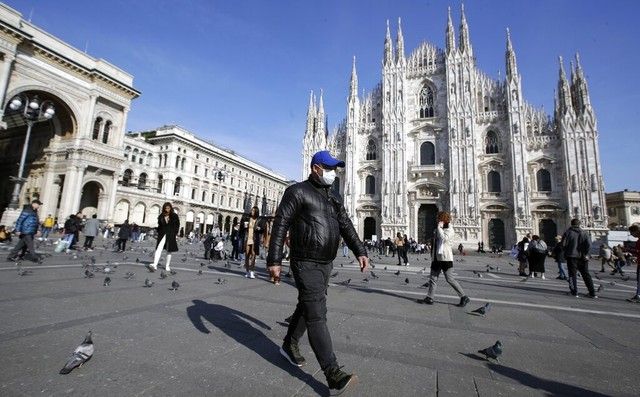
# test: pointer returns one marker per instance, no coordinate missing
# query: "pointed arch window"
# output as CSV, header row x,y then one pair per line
x,y
372,150
142,181
370,185
491,145
160,183
105,133
96,129
126,177
177,186
426,102
427,154
543,179
493,182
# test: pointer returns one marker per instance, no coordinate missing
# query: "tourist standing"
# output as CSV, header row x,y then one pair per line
x,y
558,255
91,229
401,249
316,220
576,243
442,260
124,233
168,229
70,230
235,242
522,255
537,254
635,232
606,257
252,233
26,227
47,225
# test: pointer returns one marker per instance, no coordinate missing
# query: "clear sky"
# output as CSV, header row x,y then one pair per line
x,y
240,72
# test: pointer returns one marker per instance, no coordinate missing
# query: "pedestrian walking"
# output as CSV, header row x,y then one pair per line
x,y
442,260
618,259
606,257
317,220
635,232
70,230
537,254
168,229
252,231
522,255
123,235
79,221
47,225
235,242
558,256
576,243
26,227
345,249
401,249
91,229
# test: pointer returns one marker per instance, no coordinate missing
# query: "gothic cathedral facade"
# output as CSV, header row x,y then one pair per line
x,y
438,134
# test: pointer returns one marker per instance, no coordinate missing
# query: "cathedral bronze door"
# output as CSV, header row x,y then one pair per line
x,y
548,231
369,228
427,215
496,233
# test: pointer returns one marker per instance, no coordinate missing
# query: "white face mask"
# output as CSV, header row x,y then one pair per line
x,y
328,176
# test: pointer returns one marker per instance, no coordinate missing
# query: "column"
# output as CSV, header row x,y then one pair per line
x,y
67,203
90,117
4,81
111,201
103,205
49,194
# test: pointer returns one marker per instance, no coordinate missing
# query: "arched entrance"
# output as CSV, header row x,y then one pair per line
x,y
40,176
427,215
90,198
138,214
188,225
496,233
227,224
122,212
548,231
369,227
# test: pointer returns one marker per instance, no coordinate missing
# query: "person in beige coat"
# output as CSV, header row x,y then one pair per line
x,y
443,260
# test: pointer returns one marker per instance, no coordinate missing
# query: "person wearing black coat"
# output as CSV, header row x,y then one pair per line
x,y
168,228
208,244
123,235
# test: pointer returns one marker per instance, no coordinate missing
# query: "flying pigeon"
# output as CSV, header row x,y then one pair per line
x,y
174,285
163,274
493,351
107,281
483,310
88,274
148,283
81,355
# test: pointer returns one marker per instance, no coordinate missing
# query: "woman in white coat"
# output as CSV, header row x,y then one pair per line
x,y
443,260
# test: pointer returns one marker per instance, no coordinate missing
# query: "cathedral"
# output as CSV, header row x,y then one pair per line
x,y
437,133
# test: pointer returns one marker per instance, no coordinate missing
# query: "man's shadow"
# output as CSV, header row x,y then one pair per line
x,y
240,327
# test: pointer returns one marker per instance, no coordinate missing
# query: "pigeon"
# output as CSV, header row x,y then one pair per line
x,y
174,285
372,265
625,278
334,274
385,268
493,351
137,260
148,283
107,281
479,275
173,272
88,274
600,288
512,264
24,272
202,264
397,273
129,275
200,272
81,355
425,285
596,275
221,281
497,268
341,265
365,280
184,259
483,310
107,270
613,283
346,282
373,275
406,280
163,274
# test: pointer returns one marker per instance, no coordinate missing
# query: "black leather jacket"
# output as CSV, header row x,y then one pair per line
x,y
315,220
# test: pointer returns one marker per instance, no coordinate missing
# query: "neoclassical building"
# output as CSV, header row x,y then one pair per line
x,y
82,160
439,134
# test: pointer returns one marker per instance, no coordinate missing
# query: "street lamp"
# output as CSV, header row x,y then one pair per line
x,y
219,175
33,110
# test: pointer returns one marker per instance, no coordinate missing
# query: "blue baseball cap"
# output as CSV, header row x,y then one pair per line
x,y
325,158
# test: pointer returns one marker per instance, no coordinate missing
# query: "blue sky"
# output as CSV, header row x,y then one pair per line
x,y
239,72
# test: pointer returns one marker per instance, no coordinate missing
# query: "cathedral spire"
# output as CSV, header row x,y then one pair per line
x,y
564,93
451,34
465,42
311,115
400,42
353,93
388,47
512,67
580,88
321,106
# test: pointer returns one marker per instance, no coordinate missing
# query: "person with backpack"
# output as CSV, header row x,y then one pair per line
x,y
537,254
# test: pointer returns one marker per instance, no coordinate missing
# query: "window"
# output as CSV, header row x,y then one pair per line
x,y
426,102
96,129
126,177
177,186
105,133
371,150
177,162
543,178
193,194
160,183
427,154
182,163
493,182
491,143
370,185
213,198
204,195
142,181
206,172
195,169
635,210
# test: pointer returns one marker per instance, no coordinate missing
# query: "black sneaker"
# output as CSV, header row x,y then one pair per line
x,y
338,380
425,301
291,352
463,301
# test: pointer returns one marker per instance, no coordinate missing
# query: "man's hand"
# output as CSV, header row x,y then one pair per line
x,y
274,271
364,262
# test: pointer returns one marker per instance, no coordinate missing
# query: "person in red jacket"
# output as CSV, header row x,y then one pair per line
x,y
635,232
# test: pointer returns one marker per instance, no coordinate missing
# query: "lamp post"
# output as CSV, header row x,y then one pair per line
x,y
219,175
33,110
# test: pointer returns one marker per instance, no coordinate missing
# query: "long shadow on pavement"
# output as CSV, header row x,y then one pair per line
x,y
238,325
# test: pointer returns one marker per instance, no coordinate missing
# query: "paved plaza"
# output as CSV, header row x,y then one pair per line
x,y
219,333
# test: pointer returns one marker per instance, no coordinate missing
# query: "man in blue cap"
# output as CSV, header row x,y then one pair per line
x,y
315,220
